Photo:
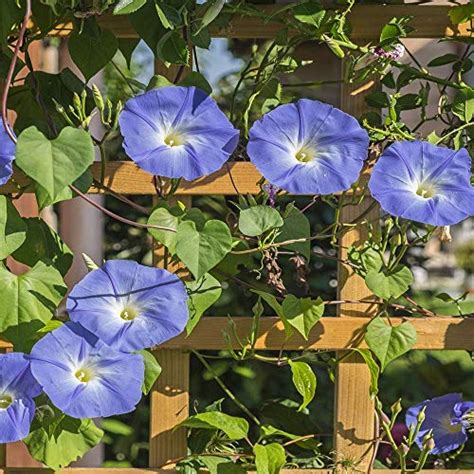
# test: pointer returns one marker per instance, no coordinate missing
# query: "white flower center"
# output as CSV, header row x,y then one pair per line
x,y
5,401
84,374
129,313
174,138
426,190
305,154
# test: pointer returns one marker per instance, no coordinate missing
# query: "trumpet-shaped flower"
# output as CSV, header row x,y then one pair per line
x,y
7,154
308,148
177,132
84,377
448,417
424,183
130,306
17,390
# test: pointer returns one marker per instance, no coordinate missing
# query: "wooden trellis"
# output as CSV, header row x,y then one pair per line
x,y
354,414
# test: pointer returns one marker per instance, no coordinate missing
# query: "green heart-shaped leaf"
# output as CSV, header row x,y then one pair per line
x,y
28,301
304,381
12,228
302,313
258,219
92,49
54,164
204,249
57,440
389,342
391,284
233,426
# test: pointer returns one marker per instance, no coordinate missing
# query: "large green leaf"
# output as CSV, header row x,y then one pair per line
x,y
10,14
124,7
374,370
233,426
201,250
152,370
463,104
389,284
269,458
166,218
256,220
54,164
296,226
389,342
311,13
302,313
12,228
57,440
44,244
28,300
304,381
220,465
173,49
203,293
92,48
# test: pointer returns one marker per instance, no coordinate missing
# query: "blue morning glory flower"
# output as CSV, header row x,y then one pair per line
x,y
177,132
17,390
424,183
7,154
448,417
308,148
130,306
84,377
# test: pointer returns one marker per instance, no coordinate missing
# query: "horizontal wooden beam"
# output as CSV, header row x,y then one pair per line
x,y
125,177
429,21
330,333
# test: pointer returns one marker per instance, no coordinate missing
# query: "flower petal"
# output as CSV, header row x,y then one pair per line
x,y
334,142
208,136
115,378
7,154
15,421
158,298
405,167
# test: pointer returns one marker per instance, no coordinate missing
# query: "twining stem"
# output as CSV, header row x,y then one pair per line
x,y
11,70
226,389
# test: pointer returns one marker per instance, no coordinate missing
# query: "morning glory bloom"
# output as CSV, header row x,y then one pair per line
x,y
177,132
308,148
130,306
17,390
424,183
448,417
84,377
7,154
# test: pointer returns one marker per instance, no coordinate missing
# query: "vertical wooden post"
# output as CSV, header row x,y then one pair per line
x,y
169,399
354,409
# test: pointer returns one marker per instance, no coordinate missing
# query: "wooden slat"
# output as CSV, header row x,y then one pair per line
x,y
429,21
330,333
125,177
354,408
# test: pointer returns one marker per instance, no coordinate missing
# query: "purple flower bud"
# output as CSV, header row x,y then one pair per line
x,y
272,191
393,54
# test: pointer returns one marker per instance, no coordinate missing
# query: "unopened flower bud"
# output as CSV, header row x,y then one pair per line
x,y
404,448
421,416
428,442
98,99
76,100
396,408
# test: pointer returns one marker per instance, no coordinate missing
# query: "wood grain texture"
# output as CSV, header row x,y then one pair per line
x,y
354,409
429,21
330,333
125,177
